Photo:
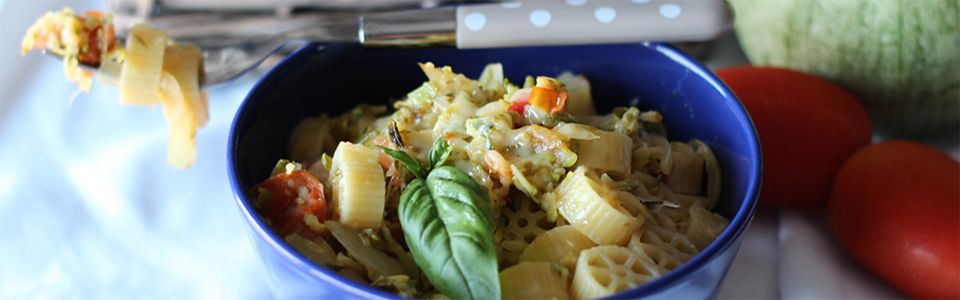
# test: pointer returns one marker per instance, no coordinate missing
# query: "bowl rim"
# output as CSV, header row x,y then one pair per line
x,y
738,224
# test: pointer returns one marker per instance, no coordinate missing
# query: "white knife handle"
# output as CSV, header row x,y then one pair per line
x,y
573,22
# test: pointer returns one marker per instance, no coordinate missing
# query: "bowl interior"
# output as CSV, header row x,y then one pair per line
x,y
334,79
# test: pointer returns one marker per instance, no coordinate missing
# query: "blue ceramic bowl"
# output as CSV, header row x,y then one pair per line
x,y
316,79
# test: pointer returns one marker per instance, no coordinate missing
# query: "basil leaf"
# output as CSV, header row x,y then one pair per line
x,y
439,153
408,161
448,224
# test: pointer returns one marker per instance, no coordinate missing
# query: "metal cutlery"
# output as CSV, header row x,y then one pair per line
x,y
234,45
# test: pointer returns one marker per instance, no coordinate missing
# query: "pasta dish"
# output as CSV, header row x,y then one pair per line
x,y
486,189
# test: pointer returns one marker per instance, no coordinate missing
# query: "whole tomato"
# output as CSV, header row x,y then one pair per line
x,y
807,126
895,207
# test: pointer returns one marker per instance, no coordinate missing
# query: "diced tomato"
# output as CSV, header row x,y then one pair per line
x,y
97,44
92,53
548,100
283,209
519,105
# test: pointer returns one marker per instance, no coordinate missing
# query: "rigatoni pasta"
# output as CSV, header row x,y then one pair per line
x,y
181,147
704,226
143,62
609,152
564,202
687,170
561,245
184,104
585,204
183,62
359,192
580,102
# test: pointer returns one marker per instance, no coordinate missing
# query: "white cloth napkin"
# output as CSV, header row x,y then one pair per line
x,y
812,265
88,207
753,274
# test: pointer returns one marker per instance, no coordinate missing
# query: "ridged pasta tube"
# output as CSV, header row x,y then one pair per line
x,y
533,280
143,62
714,177
184,62
310,139
181,146
704,226
580,102
184,105
610,152
686,175
559,245
587,206
359,187
604,270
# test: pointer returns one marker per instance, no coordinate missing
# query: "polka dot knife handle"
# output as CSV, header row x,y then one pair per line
x,y
574,22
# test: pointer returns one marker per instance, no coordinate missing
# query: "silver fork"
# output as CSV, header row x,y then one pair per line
x,y
233,47
229,53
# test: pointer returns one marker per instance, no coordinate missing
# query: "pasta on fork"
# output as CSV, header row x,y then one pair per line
x,y
148,69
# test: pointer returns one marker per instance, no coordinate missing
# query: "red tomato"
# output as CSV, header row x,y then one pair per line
x,y
519,105
92,53
283,211
895,207
807,126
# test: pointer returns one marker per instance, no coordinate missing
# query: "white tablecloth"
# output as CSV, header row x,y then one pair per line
x,y
89,209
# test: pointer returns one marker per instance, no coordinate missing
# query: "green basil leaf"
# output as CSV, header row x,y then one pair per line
x,y
439,153
448,224
408,161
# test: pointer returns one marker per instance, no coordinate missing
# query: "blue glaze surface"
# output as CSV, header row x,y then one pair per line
x,y
653,76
